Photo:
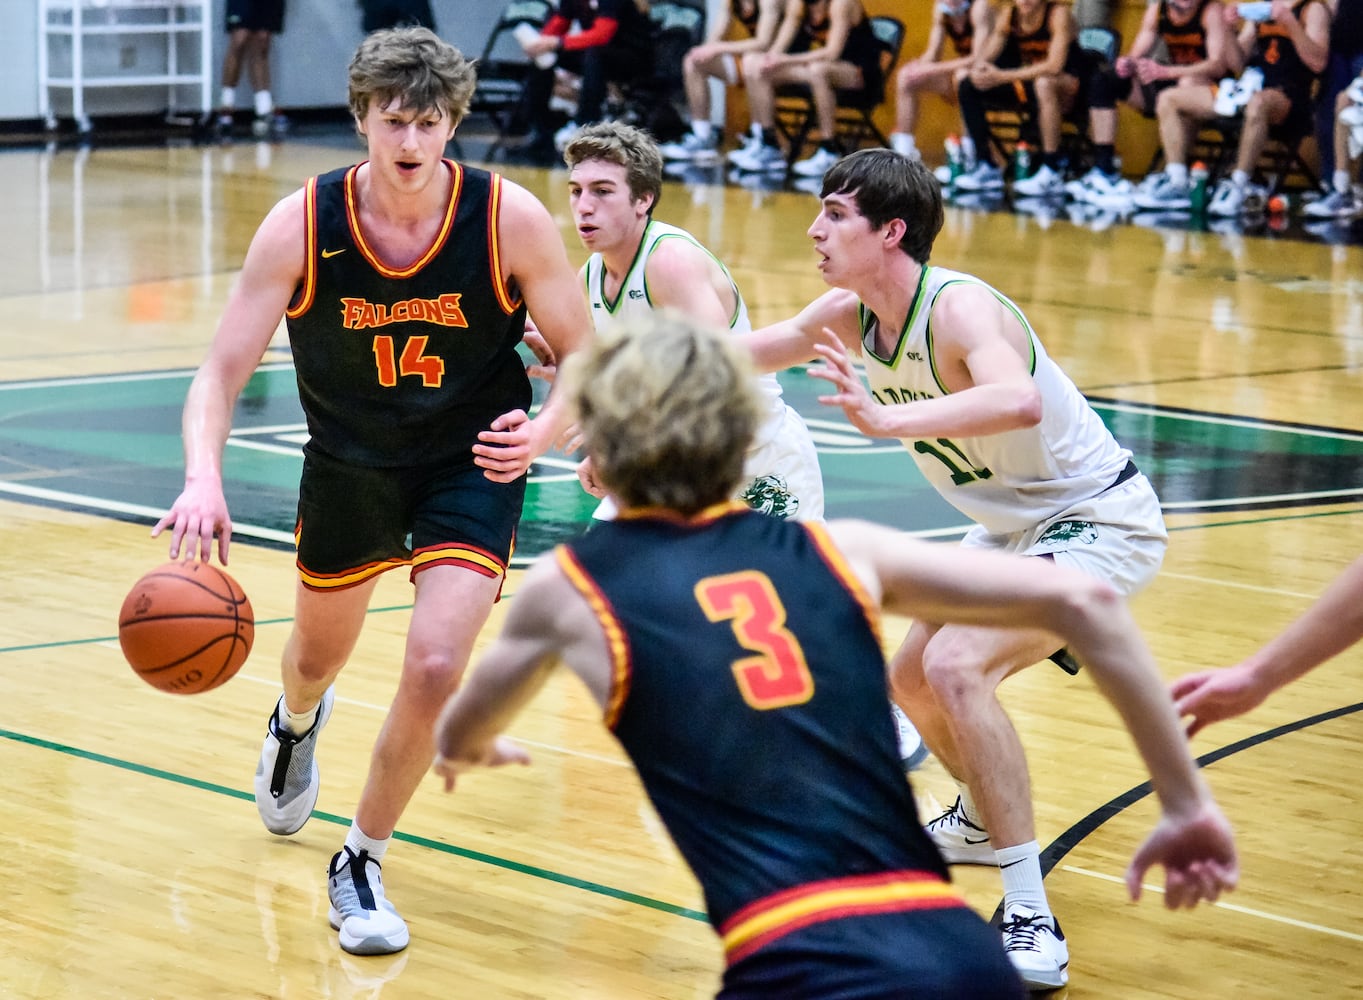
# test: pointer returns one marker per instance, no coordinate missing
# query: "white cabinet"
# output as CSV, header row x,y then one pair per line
x,y
88,44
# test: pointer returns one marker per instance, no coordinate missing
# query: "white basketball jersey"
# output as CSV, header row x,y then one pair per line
x,y
1005,482
633,299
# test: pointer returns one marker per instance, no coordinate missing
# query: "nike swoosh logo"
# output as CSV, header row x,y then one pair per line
x,y
331,253
972,843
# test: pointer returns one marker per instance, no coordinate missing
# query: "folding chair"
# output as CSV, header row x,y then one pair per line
x,y
855,125
504,66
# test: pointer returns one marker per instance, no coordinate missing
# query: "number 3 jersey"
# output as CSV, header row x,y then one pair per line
x,y
1010,481
403,366
748,688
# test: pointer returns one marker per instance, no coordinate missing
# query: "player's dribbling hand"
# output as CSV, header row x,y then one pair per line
x,y
1198,855
198,514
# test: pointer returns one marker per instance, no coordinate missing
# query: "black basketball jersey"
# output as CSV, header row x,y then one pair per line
x,y
962,39
404,366
1186,42
1276,54
749,690
747,13
1024,48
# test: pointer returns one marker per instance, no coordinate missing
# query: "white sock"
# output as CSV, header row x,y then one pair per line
x,y
972,811
1020,867
264,103
968,148
228,99
1341,181
357,840
1239,178
1177,174
903,143
297,723
702,129
755,130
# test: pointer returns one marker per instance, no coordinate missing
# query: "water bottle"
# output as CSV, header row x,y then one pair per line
x,y
955,158
1197,195
1022,161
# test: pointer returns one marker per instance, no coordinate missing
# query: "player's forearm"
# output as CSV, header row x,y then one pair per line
x,y
1331,625
982,410
1124,670
204,426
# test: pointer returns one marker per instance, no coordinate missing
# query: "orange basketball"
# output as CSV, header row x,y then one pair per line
x,y
186,627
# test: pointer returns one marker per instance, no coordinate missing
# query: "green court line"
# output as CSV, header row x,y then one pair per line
x,y
411,838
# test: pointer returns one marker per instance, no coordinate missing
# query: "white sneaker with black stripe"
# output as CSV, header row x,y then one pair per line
x,y
287,781
961,841
368,923
1036,946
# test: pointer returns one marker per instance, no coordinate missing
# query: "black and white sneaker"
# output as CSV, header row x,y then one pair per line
x,y
287,782
368,923
1036,947
961,841
912,750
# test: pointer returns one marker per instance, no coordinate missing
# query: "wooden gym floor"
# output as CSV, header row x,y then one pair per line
x,y
1229,363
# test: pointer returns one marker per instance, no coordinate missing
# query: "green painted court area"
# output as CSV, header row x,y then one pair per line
x,y
111,445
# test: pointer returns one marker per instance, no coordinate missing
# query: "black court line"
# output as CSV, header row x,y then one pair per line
x,y
1056,851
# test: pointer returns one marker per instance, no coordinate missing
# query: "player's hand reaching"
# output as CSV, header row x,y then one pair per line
x,y
198,514
849,391
501,751
1212,695
586,475
547,368
1198,855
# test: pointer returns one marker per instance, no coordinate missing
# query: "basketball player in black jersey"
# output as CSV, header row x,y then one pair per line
x,y
1288,50
736,658
1193,35
405,282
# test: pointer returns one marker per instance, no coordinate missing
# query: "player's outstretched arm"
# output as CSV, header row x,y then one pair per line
x,y
548,620
1331,625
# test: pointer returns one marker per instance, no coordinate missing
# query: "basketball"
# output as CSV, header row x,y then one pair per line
x,y
186,627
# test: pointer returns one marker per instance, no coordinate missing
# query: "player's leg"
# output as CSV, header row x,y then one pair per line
x,y
963,667
915,78
462,532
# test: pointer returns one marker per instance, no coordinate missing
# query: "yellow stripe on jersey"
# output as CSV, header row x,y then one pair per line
x,y
621,670
840,567
352,204
763,922
494,204
308,287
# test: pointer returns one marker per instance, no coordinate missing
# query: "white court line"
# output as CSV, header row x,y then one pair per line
x,y
1247,911
119,507
1275,591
